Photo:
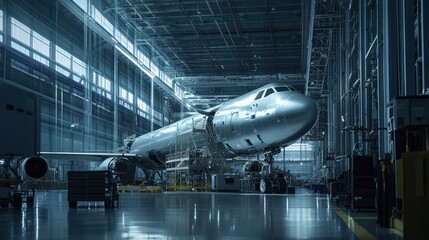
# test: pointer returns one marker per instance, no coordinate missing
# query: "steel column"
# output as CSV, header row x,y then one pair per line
x,y
115,89
390,58
381,85
152,111
424,15
88,86
408,48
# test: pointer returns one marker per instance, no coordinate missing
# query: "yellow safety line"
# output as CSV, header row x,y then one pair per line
x,y
357,229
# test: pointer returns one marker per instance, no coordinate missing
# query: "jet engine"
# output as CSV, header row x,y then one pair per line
x,y
35,167
252,167
119,165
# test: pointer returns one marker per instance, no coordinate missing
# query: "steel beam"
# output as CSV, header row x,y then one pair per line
x,y
424,19
309,45
382,99
408,48
115,92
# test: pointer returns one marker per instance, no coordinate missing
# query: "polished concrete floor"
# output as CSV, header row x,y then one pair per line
x,y
191,215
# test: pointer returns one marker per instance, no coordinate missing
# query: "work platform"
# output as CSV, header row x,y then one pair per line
x,y
188,171
194,157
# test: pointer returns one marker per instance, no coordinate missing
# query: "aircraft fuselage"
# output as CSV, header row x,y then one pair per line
x,y
269,117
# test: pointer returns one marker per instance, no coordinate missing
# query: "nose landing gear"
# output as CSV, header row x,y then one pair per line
x,y
272,178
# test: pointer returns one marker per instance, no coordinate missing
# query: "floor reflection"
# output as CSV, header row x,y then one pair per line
x,y
177,215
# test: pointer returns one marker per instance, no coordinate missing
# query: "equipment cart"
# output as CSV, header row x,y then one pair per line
x,y
10,193
92,186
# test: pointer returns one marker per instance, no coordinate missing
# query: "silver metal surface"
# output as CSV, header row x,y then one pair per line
x,y
243,125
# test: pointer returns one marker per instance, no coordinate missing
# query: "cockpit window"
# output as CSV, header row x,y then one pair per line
x,y
292,88
282,89
259,95
269,92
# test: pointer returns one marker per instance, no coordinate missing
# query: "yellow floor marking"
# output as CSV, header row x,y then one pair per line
x,y
357,229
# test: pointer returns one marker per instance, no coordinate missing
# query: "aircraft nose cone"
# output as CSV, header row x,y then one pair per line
x,y
300,113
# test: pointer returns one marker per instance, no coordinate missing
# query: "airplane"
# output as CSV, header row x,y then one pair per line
x,y
261,121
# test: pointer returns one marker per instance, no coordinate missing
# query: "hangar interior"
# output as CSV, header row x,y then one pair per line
x,y
100,72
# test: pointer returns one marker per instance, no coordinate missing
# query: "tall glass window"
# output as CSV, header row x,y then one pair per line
x,y
142,105
106,84
20,48
102,85
1,25
25,36
63,57
154,69
127,96
40,44
82,4
78,67
70,62
20,32
124,41
101,20
1,20
166,79
178,91
41,59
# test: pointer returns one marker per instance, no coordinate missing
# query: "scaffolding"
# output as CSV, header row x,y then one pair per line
x,y
194,157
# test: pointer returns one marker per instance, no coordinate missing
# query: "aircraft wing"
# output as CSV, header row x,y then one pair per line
x,y
89,156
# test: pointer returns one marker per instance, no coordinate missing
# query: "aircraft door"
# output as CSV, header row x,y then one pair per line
x,y
234,122
255,105
253,110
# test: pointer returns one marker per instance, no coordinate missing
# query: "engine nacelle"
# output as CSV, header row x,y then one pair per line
x,y
35,167
119,165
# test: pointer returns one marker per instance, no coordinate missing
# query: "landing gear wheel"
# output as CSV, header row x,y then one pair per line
x,y
265,185
282,185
